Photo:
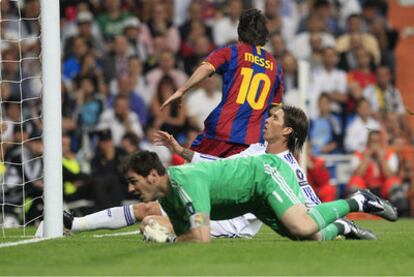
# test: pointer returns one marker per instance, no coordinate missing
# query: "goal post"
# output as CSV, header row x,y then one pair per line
x,y
52,125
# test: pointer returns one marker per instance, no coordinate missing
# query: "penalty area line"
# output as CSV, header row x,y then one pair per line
x,y
117,234
27,241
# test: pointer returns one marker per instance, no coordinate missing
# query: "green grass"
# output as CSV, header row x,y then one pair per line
x,y
266,254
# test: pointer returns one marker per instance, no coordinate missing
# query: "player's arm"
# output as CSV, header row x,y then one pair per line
x,y
199,231
168,140
202,72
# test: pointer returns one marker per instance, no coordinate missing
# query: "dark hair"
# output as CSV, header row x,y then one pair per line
x,y
142,163
132,138
252,27
296,119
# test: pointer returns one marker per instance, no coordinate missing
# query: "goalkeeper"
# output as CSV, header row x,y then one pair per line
x,y
263,185
243,226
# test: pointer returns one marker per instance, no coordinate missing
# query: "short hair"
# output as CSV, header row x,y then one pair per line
x,y
142,163
296,119
132,138
252,27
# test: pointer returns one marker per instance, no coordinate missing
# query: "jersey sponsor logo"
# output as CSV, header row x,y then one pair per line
x,y
258,60
277,196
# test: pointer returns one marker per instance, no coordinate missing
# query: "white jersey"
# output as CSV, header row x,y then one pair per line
x,y
248,225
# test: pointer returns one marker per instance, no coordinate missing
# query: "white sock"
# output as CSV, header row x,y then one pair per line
x,y
112,218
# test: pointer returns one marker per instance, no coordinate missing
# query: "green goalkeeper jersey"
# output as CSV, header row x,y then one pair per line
x,y
264,185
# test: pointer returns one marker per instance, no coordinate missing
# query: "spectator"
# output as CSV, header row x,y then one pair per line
x,y
202,101
139,39
362,75
111,21
356,135
290,76
376,168
348,58
120,120
383,96
166,66
173,119
354,26
75,182
225,29
315,57
277,46
325,130
130,143
89,103
108,189
72,65
136,103
116,63
202,46
195,17
86,29
375,22
137,78
324,10
300,44
328,79
277,22
161,25
90,67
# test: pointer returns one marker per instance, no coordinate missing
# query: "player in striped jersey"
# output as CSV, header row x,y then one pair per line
x,y
252,81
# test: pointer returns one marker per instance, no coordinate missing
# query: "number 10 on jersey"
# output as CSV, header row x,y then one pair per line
x,y
249,88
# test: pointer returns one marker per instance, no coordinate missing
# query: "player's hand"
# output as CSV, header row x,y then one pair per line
x,y
177,96
167,140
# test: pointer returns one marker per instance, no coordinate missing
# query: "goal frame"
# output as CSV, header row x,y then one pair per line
x,y
52,118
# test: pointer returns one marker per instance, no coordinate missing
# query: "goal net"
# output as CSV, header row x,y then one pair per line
x,y
23,116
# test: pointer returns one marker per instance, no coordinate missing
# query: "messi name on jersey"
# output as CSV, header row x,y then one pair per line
x,y
259,61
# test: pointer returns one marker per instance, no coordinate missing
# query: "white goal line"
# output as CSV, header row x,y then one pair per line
x,y
27,241
117,234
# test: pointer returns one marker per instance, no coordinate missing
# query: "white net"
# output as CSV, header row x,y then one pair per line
x,y
21,164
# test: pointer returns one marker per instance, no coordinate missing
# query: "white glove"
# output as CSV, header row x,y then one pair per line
x,y
154,232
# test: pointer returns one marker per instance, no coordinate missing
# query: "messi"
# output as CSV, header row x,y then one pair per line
x,y
259,61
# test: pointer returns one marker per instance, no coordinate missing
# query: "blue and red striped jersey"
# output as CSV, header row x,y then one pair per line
x,y
252,81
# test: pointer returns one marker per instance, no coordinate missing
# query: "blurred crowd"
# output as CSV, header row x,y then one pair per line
x,y
121,59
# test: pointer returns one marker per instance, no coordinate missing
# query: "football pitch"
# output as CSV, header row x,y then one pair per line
x,y
96,253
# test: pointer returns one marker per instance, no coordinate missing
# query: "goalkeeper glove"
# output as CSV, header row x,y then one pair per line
x,y
154,232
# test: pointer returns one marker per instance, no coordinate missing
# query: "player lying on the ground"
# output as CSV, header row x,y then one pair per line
x,y
244,226
264,185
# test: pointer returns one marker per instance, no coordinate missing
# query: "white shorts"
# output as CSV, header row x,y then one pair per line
x,y
245,226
